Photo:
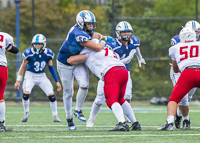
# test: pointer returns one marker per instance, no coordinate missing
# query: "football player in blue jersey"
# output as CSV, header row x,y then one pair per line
x,y
123,46
35,60
79,36
183,106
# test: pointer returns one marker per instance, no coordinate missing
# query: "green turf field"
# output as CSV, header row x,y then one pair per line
x,y
40,127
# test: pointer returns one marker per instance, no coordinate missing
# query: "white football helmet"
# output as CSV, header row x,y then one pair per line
x,y
39,38
123,26
83,17
195,26
187,34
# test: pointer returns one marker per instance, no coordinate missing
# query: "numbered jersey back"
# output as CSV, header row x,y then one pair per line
x,y
185,54
100,62
5,40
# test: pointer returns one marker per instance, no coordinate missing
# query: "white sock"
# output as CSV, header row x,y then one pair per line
x,y
26,104
128,112
53,106
80,98
118,111
2,111
68,106
186,118
94,111
178,112
170,119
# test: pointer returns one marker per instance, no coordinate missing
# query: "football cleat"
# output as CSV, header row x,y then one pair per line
x,y
177,121
25,117
2,126
121,127
186,124
166,127
136,126
90,123
80,115
56,119
71,124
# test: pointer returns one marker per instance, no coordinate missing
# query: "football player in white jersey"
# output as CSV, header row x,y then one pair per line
x,y
185,59
79,36
6,44
123,45
106,65
35,60
183,108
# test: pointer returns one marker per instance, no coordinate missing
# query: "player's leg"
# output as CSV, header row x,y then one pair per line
x,y
114,79
174,77
66,77
27,87
81,74
185,83
184,108
99,100
128,94
47,87
3,82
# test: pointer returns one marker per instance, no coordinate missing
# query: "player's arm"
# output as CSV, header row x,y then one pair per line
x,y
175,66
12,48
76,59
139,56
53,73
20,74
92,45
101,37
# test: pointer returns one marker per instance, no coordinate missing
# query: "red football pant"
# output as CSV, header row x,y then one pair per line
x,y
115,81
188,79
3,80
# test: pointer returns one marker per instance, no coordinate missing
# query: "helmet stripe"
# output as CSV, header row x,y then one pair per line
x,y
91,16
37,39
193,25
126,27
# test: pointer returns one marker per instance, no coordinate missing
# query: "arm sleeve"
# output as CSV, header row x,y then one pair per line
x,y
138,54
82,37
53,73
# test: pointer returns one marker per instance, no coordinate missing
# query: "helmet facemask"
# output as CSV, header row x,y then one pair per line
x,y
124,37
38,50
90,30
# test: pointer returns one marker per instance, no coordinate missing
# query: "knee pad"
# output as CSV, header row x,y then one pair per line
x,y
26,96
52,98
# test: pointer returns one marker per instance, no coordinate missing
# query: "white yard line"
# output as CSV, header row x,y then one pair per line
x,y
103,136
95,126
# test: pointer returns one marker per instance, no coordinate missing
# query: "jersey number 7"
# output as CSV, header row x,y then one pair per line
x,y
1,40
191,54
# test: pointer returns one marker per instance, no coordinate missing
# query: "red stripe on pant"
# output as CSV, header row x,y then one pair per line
x,y
115,81
188,79
3,81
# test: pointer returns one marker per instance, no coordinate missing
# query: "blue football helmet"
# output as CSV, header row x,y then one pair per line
x,y
39,38
124,26
84,17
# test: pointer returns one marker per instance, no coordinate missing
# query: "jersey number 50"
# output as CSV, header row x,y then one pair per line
x,y
191,54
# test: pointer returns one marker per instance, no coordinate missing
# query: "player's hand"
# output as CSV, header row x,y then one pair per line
x,y
17,85
59,87
141,61
110,39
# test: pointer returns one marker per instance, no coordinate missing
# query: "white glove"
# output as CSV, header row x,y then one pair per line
x,y
141,61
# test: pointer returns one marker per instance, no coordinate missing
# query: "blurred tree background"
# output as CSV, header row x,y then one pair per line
x,y
154,22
